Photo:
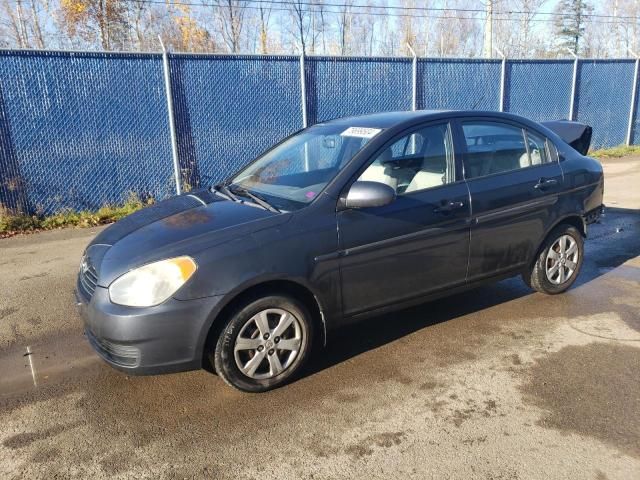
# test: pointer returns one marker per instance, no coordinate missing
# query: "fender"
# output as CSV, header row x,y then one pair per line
x,y
576,220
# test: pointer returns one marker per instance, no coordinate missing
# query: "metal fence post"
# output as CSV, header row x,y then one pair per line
x,y
303,102
503,77
303,92
574,86
414,79
172,123
632,107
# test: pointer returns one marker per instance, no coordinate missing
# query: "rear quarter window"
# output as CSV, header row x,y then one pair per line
x,y
552,151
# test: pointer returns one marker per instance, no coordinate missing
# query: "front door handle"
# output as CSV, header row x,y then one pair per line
x,y
545,183
448,206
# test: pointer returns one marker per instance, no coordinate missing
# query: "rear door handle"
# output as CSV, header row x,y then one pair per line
x,y
545,183
448,206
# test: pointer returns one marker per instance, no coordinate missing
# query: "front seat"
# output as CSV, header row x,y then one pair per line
x,y
434,165
380,172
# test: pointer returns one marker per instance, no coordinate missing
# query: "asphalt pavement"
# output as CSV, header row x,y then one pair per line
x,y
495,383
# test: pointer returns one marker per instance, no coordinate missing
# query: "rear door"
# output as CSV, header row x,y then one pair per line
x,y
514,183
420,242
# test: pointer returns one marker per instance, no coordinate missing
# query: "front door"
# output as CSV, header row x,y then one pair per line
x,y
420,242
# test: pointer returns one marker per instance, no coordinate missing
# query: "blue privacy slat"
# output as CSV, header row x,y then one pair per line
x,y
604,96
81,130
231,108
539,89
635,126
458,84
341,87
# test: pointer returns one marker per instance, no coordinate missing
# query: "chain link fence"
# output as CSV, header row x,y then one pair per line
x,y
458,84
81,130
346,86
229,109
539,89
603,98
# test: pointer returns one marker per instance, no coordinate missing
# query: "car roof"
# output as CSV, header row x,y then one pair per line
x,y
392,119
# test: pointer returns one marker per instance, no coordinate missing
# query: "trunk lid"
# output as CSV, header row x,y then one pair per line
x,y
576,134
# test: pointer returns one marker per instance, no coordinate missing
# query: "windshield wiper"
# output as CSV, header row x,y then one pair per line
x,y
222,188
256,199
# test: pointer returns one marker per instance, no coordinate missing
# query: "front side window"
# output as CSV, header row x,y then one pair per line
x,y
293,173
420,160
493,147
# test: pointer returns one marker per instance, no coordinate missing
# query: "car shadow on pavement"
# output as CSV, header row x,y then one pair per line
x,y
610,243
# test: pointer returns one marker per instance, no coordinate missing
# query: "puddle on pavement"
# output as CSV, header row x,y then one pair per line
x,y
590,390
44,362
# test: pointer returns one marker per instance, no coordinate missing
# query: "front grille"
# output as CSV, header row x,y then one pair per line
x,y
124,355
87,278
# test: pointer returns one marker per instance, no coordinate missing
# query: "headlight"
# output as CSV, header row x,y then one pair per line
x,y
152,284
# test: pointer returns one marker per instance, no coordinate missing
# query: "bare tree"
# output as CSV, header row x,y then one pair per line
x,y
26,21
230,15
514,31
628,9
15,24
457,33
386,36
318,25
322,15
138,11
529,9
36,9
301,28
363,31
345,22
265,15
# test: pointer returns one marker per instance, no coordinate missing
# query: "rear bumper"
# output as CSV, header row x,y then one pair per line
x,y
165,338
594,215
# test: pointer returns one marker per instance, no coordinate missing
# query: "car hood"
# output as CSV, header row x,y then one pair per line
x,y
182,225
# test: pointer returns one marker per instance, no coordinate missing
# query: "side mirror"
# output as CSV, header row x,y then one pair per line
x,y
369,194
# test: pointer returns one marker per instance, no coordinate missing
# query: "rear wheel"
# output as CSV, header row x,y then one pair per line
x,y
559,261
264,344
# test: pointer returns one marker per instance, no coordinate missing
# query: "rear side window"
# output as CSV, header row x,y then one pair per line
x,y
493,147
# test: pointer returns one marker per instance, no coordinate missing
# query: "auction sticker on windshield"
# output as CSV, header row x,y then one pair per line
x,y
360,132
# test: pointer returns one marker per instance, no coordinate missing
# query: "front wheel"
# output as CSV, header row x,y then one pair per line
x,y
559,261
264,344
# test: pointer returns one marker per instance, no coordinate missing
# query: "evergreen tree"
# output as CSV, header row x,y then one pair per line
x,y
570,24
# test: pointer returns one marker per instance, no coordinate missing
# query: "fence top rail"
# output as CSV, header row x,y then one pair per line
x,y
122,53
81,53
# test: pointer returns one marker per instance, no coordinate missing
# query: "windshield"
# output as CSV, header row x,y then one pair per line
x,y
292,174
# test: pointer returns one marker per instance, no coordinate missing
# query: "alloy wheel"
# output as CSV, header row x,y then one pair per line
x,y
562,260
268,343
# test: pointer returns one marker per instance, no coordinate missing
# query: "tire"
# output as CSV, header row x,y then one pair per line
x,y
554,271
254,356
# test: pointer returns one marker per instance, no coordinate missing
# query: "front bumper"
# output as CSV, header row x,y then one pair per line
x,y
165,338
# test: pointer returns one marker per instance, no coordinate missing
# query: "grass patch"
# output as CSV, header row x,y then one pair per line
x,y
12,224
616,152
